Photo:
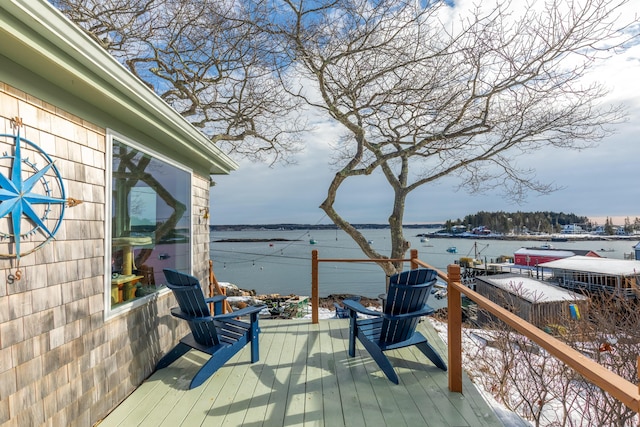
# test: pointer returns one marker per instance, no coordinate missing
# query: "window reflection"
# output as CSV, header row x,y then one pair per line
x,y
150,225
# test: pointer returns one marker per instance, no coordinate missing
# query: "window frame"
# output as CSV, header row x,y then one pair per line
x,y
112,136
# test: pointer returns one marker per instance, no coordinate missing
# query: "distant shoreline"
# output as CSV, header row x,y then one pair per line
x,y
569,238
282,227
548,238
254,240
554,238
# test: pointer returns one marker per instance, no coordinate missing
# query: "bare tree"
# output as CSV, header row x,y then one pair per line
x,y
422,95
202,58
420,91
611,335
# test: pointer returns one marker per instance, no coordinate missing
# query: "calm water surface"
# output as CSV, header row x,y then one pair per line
x,y
285,267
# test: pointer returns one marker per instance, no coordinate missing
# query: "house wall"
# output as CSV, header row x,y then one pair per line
x,y
506,300
539,314
521,259
62,363
556,312
536,258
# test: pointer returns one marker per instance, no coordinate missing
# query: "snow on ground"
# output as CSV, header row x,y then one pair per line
x,y
325,313
581,406
508,417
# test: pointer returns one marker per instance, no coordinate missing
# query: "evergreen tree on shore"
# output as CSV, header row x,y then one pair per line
x,y
520,222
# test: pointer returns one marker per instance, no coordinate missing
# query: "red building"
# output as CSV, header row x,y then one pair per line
x,y
531,257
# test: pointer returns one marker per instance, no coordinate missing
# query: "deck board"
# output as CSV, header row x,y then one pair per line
x,y
270,350
305,378
343,376
330,389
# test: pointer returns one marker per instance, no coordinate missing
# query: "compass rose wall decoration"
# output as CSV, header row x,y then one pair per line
x,y
32,196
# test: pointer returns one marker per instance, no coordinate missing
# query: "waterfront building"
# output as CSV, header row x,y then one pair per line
x,y
572,229
596,274
539,303
531,257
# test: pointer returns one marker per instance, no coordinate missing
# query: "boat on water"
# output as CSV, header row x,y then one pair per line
x,y
313,241
452,250
424,242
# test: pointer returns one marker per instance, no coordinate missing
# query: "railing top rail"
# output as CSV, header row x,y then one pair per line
x,y
364,260
442,275
315,262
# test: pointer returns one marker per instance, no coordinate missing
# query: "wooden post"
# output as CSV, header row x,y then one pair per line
x,y
315,297
214,285
211,293
210,278
414,257
454,329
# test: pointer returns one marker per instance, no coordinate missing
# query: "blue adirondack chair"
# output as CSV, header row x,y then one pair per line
x,y
221,335
341,312
395,327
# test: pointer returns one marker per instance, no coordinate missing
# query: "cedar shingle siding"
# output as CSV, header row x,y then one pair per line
x,y
61,362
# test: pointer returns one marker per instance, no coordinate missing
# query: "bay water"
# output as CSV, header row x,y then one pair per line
x,y
284,267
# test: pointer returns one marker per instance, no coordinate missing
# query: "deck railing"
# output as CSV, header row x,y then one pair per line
x,y
315,275
621,389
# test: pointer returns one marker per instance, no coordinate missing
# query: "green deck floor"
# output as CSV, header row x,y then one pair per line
x,y
305,378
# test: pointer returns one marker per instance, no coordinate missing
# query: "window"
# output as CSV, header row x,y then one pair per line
x,y
150,221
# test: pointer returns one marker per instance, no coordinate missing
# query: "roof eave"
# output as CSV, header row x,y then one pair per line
x,y
70,59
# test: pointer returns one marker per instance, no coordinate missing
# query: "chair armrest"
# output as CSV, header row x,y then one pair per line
x,y
242,312
357,307
424,311
216,298
217,303
176,312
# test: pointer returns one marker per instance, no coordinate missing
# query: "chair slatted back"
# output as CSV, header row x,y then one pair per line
x,y
190,297
408,292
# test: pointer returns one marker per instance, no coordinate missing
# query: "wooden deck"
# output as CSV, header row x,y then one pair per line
x,y
305,377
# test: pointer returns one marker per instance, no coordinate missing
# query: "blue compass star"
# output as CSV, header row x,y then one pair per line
x,y
17,197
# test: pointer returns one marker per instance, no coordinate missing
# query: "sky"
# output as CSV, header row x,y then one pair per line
x,y
597,183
